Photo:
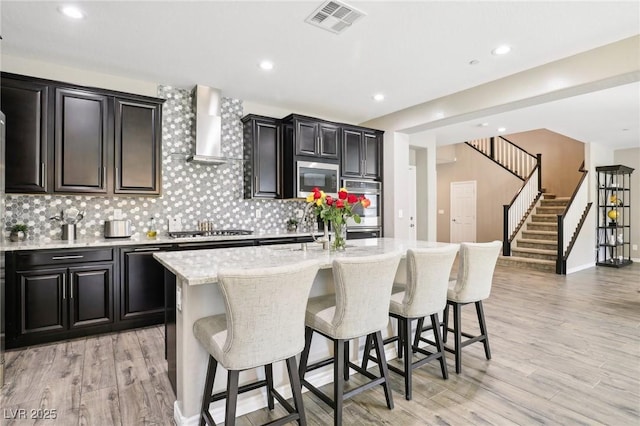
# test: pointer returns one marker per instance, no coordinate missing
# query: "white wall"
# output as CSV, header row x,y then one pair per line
x,y
51,71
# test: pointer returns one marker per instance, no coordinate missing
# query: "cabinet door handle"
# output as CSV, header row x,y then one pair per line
x,y
64,287
74,256
255,183
117,180
43,172
147,249
104,176
71,285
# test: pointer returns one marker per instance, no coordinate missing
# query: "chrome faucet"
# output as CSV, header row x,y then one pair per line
x,y
324,240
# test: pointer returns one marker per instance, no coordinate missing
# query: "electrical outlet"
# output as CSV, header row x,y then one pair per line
x,y
400,214
299,213
117,214
634,247
258,213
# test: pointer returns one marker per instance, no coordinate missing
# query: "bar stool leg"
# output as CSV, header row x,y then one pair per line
x,y
304,358
296,389
401,333
445,323
416,340
384,370
435,324
208,389
457,336
268,372
338,381
367,351
346,361
483,329
408,370
232,397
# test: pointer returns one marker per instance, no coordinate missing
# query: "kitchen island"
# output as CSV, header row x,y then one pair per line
x,y
198,295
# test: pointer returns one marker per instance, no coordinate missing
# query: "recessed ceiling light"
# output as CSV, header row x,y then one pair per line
x,y
625,130
378,97
474,62
501,129
483,124
71,12
266,65
501,50
439,115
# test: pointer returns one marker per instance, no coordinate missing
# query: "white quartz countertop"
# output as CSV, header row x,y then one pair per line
x,y
47,243
197,267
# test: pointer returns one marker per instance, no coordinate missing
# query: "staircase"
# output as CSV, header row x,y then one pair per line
x,y
537,248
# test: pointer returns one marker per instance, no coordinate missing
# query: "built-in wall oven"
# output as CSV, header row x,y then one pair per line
x,y
370,225
316,174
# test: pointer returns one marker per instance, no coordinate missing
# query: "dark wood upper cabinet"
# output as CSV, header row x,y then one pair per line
x,y
63,138
138,139
26,108
81,134
314,138
361,153
263,157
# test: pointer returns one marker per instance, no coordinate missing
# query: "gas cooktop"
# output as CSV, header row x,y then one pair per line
x,y
216,232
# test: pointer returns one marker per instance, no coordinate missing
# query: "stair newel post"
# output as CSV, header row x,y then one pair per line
x,y
539,160
506,244
560,264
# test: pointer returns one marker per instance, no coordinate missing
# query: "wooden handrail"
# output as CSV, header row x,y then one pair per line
x,y
524,150
575,191
515,197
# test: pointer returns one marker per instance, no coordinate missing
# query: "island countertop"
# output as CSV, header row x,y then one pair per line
x,y
201,266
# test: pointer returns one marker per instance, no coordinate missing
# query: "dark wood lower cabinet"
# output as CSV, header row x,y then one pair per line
x,y
60,303
43,304
141,287
90,295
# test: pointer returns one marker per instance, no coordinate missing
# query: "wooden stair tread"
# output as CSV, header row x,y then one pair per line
x,y
533,241
535,232
529,260
534,250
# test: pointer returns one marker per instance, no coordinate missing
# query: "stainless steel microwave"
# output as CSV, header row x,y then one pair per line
x,y
316,174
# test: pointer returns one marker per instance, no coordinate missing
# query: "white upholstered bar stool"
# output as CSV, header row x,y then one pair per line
x,y
358,308
477,262
263,324
423,295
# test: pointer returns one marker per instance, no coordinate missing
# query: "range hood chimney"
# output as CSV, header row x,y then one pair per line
x,y
208,140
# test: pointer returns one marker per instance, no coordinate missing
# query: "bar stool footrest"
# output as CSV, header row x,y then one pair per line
x,y
244,388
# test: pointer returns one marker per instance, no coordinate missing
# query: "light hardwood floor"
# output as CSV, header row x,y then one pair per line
x,y
566,350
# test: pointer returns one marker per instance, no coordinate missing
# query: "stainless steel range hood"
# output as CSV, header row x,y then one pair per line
x,y
208,140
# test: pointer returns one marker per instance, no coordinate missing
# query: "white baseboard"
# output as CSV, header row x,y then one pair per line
x,y
581,267
319,377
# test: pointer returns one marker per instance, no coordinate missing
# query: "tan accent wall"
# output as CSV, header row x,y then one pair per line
x,y
561,157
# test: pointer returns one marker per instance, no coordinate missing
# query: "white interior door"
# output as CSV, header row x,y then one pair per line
x,y
463,212
412,195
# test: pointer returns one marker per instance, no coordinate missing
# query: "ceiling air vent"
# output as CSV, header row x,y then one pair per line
x,y
334,16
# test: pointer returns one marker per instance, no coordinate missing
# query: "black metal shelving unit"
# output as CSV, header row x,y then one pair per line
x,y
613,233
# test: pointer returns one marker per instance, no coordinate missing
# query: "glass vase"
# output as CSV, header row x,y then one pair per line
x,y
339,242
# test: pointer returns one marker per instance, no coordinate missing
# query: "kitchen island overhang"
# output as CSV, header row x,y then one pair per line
x,y
195,274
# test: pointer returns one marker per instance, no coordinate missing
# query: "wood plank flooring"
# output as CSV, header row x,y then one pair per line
x,y
566,350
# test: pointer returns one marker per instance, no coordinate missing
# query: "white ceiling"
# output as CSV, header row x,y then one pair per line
x,y
413,52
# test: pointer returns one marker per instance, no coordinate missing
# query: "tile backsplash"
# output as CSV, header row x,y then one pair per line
x,y
190,191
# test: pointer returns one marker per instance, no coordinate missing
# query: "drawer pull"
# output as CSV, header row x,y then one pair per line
x,y
147,249
75,256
